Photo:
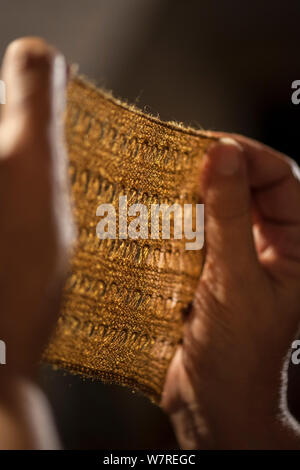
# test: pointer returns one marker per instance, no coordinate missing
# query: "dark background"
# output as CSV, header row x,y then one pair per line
x,y
224,65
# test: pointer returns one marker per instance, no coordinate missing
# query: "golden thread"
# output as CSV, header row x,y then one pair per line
x,y
121,316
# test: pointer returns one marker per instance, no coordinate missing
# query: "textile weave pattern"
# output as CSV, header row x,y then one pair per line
x,y
121,315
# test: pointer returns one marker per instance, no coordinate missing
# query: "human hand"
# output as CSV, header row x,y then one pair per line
x,y
36,225
224,385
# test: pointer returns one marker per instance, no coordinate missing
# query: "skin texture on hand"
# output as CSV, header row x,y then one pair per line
x,y
34,207
224,386
36,229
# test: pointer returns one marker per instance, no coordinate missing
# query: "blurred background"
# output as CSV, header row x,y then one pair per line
x,y
221,65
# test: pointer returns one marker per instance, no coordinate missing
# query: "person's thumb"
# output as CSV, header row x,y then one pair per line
x,y
33,156
227,202
31,69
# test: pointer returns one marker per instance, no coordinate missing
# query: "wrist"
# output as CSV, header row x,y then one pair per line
x,y
245,416
240,427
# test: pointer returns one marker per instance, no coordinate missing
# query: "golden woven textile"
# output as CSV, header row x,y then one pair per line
x,y
121,317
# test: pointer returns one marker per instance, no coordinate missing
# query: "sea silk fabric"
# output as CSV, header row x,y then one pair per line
x,y
122,312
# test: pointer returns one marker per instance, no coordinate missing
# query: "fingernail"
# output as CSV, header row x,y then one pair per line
x,y
225,155
27,65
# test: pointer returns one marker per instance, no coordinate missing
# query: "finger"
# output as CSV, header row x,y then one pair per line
x,y
226,196
29,69
274,179
32,134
